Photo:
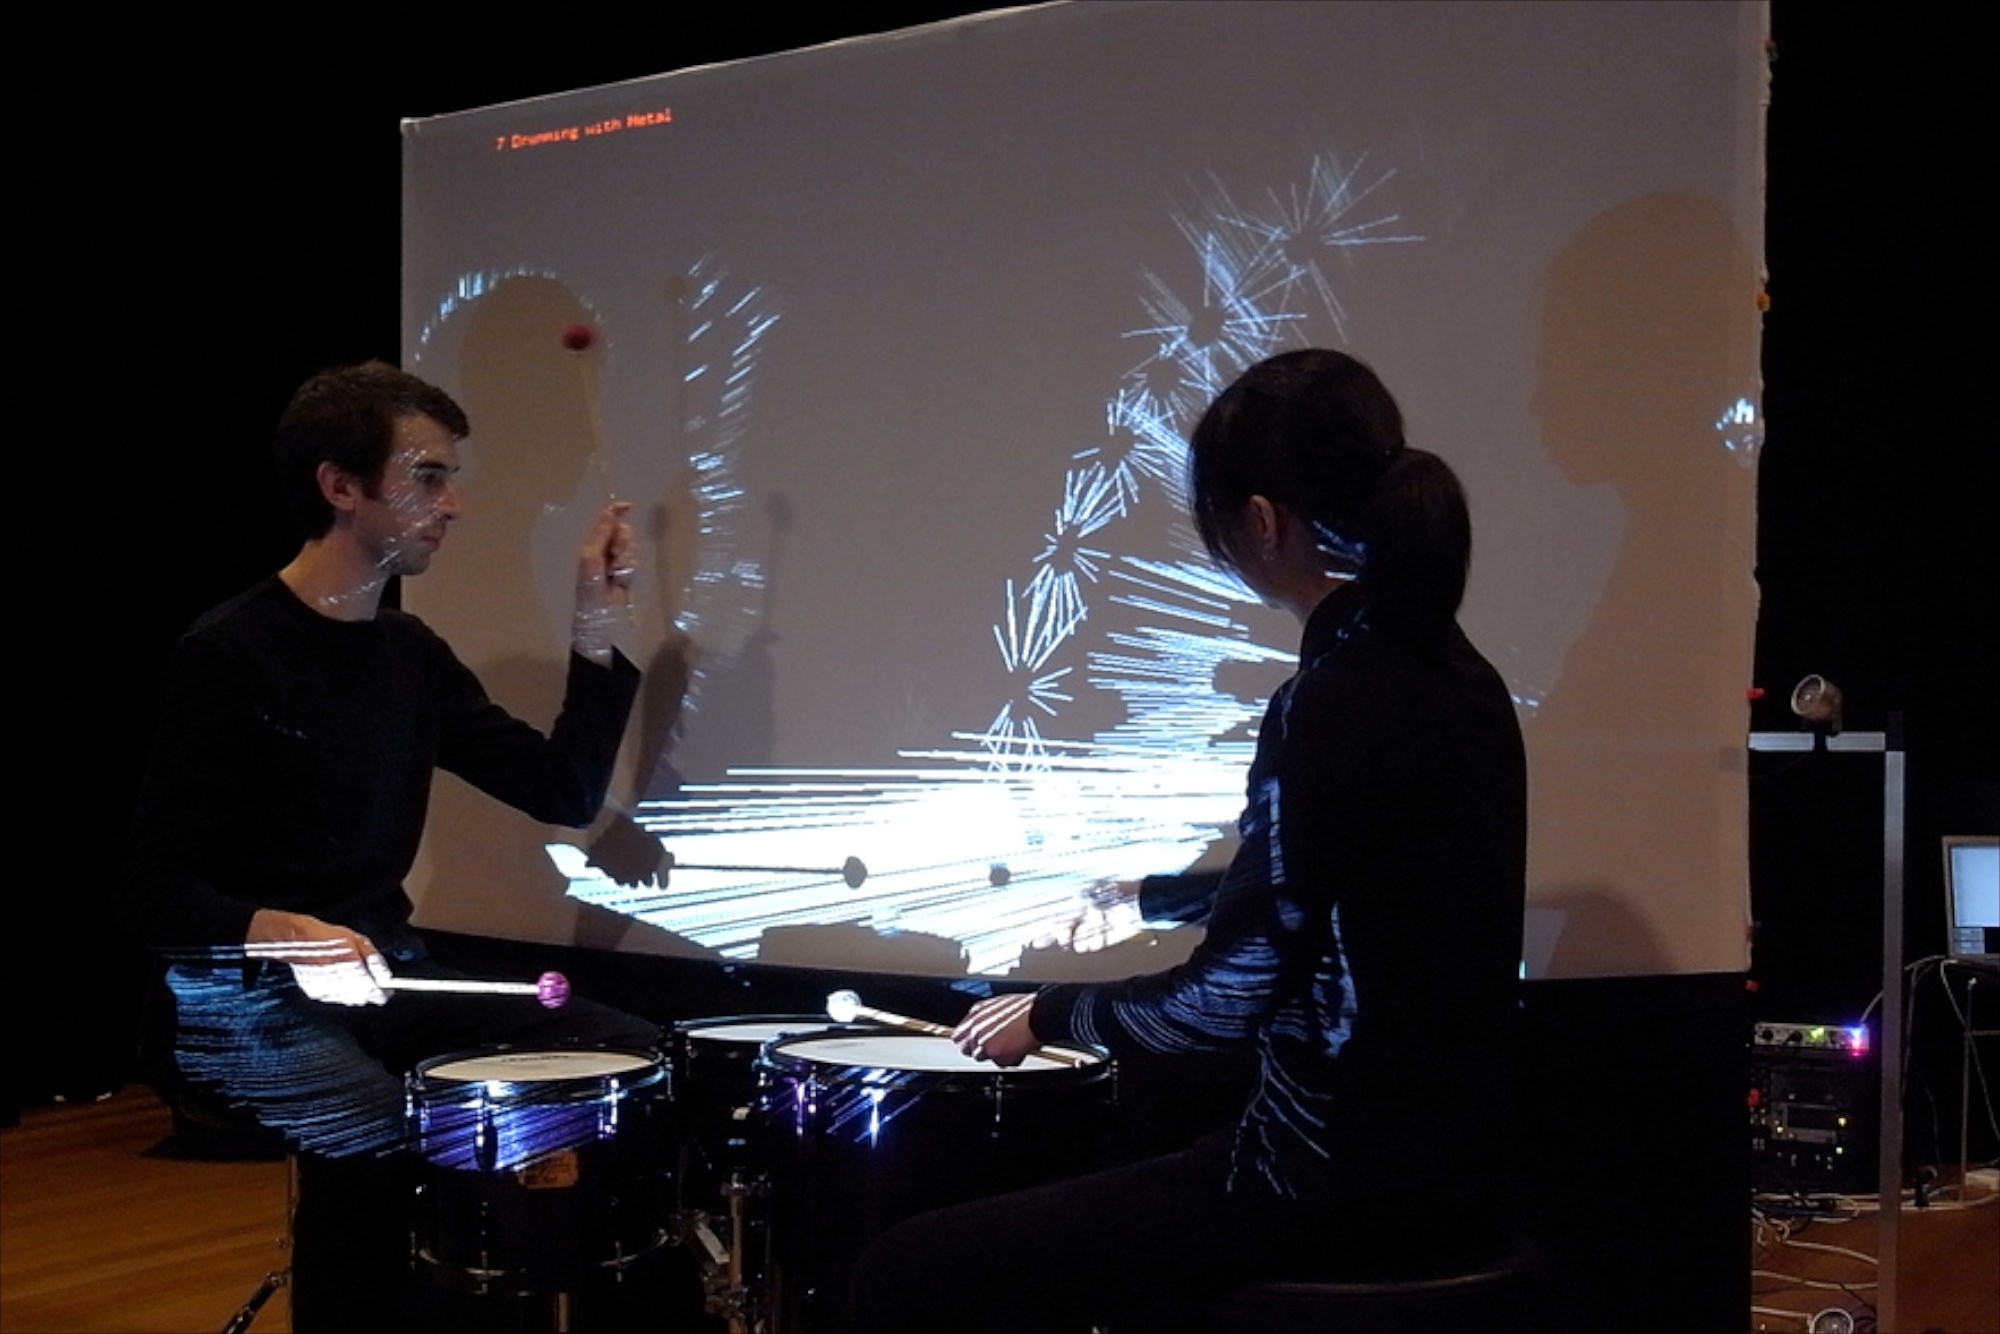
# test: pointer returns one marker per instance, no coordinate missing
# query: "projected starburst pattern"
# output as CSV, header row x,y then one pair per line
x,y
987,840
1092,498
1036,624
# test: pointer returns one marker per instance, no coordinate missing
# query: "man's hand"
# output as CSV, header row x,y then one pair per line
x,y
330,963
997,1030
604,569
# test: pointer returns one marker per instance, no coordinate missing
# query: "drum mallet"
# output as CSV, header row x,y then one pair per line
x,y
844,1007
854,871
551,989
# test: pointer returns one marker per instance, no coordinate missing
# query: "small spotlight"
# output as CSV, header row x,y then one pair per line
x,y
1817,700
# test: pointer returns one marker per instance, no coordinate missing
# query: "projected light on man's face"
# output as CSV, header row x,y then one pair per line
x,y
403,515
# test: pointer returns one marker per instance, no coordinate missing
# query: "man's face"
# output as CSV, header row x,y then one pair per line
x,y
401,518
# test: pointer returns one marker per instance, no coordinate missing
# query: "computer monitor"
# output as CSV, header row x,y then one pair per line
x,y
1972,894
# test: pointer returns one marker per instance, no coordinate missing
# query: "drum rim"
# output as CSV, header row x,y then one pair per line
x,y
687,1028
650,1065
775,1057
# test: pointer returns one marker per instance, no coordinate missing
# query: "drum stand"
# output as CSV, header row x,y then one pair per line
x,y
728,1284
247,1312
277,1278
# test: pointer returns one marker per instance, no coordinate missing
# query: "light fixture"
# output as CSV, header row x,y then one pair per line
x,y
1817,701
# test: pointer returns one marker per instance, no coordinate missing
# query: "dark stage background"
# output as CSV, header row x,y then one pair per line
x,y
222,220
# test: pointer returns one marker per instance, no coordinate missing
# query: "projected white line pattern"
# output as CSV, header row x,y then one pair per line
x,y
1092,498
1150,449
470,287
1257,269
1256,266
928,835
1147,793
1199,348
1038,620
1741,430
1321,213
1165,673
723,339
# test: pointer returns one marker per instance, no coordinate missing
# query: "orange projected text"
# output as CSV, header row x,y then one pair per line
x,y
570,134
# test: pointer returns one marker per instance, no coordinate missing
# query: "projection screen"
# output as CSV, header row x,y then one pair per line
x,y
893,345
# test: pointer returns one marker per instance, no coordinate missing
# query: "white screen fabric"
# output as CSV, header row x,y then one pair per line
x,y
893,345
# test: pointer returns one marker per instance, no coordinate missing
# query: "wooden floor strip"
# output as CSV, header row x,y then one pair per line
x,y
98,1237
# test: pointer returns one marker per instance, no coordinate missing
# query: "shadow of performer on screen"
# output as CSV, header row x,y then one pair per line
x,y
1637,833
534,432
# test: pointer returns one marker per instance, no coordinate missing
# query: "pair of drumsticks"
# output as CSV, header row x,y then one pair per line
x,y
843,1007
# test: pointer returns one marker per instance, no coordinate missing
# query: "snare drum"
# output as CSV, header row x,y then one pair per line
x,y
871,1127
545,1167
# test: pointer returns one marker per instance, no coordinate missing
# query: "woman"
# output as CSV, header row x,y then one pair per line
x,y
1365,941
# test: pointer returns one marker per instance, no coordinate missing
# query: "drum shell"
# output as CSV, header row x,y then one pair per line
x,y
715,1081
541,1183
860,1147
715,1070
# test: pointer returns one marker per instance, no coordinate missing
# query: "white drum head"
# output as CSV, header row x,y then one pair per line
x,y
538,1066
912,1051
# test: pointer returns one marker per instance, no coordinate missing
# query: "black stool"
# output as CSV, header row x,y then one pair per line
x,y
1499,1297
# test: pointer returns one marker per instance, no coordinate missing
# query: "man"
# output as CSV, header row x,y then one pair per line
x,y
300,726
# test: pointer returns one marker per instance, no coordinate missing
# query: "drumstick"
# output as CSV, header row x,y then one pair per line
x,y
844,1007
551,989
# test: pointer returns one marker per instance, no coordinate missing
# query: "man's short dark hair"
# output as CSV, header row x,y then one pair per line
x,y
347,417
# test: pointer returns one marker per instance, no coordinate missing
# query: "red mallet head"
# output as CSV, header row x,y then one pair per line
x,y
552,990
578,337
